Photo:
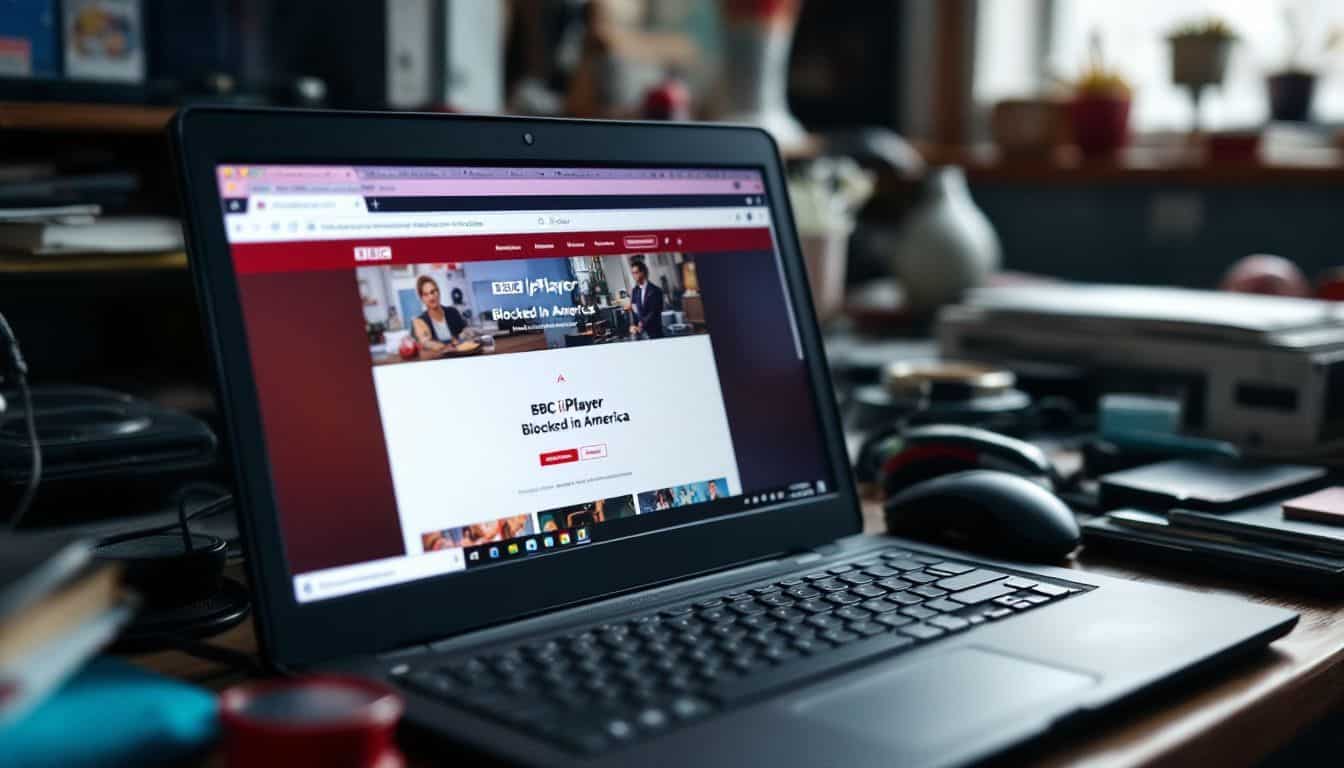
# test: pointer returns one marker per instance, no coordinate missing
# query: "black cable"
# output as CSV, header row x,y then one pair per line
x,y
20,368
224,501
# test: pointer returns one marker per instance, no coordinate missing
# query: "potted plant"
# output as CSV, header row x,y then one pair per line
x,y
1100,107
1199,52
1291,88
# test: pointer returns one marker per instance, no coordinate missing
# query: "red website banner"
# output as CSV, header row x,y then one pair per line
x,y
323,255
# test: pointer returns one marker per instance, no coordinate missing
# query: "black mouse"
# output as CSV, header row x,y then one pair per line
x,y
987,511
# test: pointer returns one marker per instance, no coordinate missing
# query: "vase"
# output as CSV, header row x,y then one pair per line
x,y
946,246
1290,96
1100,124
757,37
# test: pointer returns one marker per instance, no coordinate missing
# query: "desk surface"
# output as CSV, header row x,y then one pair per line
x,y
1234,718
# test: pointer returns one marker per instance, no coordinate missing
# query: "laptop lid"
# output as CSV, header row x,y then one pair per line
x,y
474,369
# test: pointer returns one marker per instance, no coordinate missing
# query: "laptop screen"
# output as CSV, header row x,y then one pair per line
x,y
465,367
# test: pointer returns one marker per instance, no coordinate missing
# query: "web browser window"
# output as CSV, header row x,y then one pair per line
x,y
464,367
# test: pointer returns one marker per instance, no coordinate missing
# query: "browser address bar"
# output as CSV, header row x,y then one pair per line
x,y
278,225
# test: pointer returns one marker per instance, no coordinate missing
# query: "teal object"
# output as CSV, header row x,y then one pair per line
x,y
113,714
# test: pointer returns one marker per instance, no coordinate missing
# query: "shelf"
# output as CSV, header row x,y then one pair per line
x,y
94,262
1140,166
83,118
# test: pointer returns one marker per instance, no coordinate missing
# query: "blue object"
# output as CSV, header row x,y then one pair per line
x,y
113,713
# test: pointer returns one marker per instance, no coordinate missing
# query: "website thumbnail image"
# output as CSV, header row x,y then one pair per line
x,y
435,311
565,527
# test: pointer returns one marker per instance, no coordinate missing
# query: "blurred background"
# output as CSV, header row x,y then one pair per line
x,y
932,146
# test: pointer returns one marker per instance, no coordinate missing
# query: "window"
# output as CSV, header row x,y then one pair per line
x,y
1134,36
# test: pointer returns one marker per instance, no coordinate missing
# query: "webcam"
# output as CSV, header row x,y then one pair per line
x,y
528,138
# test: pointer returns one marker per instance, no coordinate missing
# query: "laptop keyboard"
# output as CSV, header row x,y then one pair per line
x,y
614,683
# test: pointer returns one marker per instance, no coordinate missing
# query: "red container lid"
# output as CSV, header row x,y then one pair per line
x,y
330,721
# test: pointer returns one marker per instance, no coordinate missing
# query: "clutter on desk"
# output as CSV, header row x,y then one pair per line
x,y
58,607
1323,506
114,713
1212,484
1260,372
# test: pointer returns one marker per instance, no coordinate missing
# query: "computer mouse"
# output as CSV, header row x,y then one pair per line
x,y
900,457
992,512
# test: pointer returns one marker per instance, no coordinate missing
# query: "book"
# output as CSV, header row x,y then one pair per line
x,y
57,214
113,234
34,565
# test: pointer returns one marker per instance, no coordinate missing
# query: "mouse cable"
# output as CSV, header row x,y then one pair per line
x,y
20,368
223,501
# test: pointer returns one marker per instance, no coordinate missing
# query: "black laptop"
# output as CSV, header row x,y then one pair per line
x,y
531,420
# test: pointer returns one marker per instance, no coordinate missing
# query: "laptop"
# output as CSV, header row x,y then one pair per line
x,y
476,459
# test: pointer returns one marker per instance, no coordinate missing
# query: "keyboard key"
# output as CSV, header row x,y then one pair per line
x,y
919,612
687,708
927,591
790,582
802,593
797,630
619,730
950,623
855,579
747,608
943,606
894,620
895,554
787,614
813,606
950,568
881,571
925,559
817,576
710,603
1018,582
904,598
1007,601
716,616
825,622
878,605
895,584
921,631
1036,599
809,645
998,613
776,600
983,594
758,591
842,598
919,577
868,590
830,585
973,578
866,563
839,637
680,610
854,613
1052,590
905,565
730,691
652,718
840,569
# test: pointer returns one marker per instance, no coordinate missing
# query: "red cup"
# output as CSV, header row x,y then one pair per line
x,y
328,721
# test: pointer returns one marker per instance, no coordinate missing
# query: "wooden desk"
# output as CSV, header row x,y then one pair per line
x,y
1234,717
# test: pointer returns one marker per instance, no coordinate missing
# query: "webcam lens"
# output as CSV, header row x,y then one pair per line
x,y
527,138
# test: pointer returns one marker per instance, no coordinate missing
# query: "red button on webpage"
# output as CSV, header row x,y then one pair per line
x,y
559,457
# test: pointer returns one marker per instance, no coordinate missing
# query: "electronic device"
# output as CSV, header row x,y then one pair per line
x,y
1264,372
899,457
404,518
988,511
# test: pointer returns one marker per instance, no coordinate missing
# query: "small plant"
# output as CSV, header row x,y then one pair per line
x,y
1098,79
1211,28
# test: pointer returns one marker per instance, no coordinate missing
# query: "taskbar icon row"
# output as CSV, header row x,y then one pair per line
x,y
526,546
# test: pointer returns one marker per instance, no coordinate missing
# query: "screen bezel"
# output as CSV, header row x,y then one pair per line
x,y
293,634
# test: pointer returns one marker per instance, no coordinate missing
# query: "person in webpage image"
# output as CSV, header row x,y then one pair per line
x,y
439,328
646,304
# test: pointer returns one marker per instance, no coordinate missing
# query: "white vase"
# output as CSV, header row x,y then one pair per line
x,y
945,246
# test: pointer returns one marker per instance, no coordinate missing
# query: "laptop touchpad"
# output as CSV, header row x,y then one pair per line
x,y
931,705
